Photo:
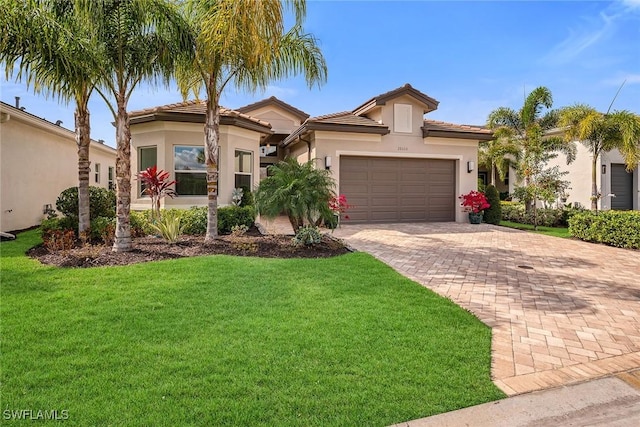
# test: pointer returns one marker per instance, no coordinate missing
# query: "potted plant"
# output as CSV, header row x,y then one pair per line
x,y
475,203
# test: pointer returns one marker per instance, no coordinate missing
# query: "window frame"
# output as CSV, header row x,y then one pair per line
x,y
140,166
251,171
96,173
110,178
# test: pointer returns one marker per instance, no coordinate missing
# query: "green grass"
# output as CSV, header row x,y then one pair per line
x,y
225,340
549,231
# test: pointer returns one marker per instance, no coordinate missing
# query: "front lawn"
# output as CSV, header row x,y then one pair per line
x,y
549,231
220,340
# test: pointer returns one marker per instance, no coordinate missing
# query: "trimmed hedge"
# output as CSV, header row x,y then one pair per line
x,y
493,214
102,202
613,228
515,212
231,216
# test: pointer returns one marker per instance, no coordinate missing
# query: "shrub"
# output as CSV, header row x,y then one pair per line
x,y
515,212
103,229
169,225
247,197
231,216
102,202
307,235
140,223
195,220
301,191
58,240
493,213
59,224
614,228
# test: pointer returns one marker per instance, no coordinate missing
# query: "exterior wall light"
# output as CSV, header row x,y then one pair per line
x,y
471,166
604,169
327,162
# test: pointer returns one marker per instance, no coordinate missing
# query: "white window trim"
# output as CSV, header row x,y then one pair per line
x,y
250,173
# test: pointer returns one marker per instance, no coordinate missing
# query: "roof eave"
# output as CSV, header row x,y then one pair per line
x,y
334,127
200,118
426,133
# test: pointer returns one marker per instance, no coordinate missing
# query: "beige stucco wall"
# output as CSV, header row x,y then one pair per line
x,y
281,121
38,161
580,177
167,135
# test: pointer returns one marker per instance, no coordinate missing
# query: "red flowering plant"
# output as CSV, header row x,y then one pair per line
x,y
156,185
338,205
474,201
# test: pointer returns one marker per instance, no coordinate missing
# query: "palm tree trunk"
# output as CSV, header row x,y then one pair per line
x,y
493,174
83,140
594,183
122,241
211,153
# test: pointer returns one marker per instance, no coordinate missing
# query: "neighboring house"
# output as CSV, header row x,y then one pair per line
x,y
39,160
619,189
172,137
388,160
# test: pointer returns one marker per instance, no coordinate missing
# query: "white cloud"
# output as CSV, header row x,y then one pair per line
x,y
186,158
629,79
582,38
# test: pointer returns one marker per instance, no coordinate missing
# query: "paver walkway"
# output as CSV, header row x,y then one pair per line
x,y
561,310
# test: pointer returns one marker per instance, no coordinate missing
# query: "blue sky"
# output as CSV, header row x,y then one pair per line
x,y
471,56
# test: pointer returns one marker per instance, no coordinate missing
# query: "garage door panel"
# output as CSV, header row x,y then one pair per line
x,y
398,189
355,175
412,189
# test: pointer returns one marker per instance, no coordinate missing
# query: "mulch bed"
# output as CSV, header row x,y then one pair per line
x,y
147,249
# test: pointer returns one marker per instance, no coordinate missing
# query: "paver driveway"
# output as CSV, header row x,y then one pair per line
x,y
561,310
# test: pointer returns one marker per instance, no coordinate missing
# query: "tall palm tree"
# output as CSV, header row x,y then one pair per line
x,y
498,155
527,128
242,43
40,39
601,132
136,40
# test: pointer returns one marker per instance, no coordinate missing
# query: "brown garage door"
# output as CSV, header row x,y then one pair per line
x,y
398,190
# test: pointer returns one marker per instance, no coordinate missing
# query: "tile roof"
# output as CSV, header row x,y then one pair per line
x,y
197,107
452,127
439,128
345,118
274,101
407,89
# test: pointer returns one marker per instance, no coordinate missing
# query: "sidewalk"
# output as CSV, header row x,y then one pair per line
x,y
611,402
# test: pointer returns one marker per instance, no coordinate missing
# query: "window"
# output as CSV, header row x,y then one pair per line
x,y
244,169
110,179
97,173
147,157
402,118
190,170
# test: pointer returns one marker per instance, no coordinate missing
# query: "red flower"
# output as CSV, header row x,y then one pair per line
x,y
474,201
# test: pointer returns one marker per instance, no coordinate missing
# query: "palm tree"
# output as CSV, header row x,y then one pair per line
x,y
599,133
498,155
301,191
242,43
40,37
136,40
527,129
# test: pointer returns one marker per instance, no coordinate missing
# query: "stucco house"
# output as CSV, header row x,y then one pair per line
x,y
390,162
619,188
39,159
172,137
